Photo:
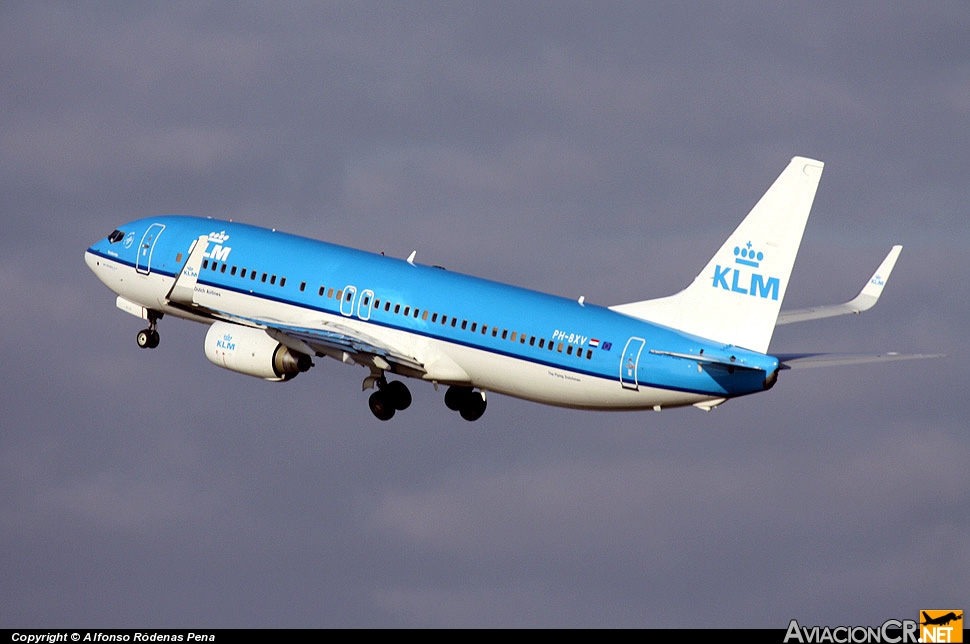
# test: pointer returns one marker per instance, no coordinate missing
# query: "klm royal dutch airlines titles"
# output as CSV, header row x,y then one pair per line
x,y
274,302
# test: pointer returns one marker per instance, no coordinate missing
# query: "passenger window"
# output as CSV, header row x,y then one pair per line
x,y
464,324
330,294
252,275
264,278
397,309
340,293
320,292
512,339
302,286
542,343
233,271
424,316
205,263
434,317
407,311
282,282
178,258
589,354
272,279
569,350
560,347
474,326
350,295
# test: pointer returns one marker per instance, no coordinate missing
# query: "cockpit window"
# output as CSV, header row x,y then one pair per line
x,y
116,236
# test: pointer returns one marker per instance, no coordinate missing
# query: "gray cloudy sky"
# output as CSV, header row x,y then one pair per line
x,y
597,149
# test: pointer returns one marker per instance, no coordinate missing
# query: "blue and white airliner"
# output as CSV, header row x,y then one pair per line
x,y
274,302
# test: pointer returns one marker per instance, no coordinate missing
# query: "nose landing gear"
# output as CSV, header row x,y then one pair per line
x,y
148,338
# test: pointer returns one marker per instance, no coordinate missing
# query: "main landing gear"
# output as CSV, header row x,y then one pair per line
x,y
148,338
393,396
390,397
466,401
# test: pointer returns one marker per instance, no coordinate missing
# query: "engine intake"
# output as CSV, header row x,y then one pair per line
x,y
252,352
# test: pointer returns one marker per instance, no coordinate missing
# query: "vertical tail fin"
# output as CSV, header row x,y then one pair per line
x,y
737,297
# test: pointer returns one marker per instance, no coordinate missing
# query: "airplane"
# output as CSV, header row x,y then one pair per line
x,y
942,620
275,301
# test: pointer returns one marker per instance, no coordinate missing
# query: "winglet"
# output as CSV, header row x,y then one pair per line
x,y
183,290
864,301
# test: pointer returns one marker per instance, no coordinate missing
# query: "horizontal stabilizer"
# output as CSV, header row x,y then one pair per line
x,y
807,360
708,358
864,301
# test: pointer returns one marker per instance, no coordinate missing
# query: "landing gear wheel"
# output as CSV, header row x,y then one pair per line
x,y
474,406
398,393
466,401
381,405
455,397
148,338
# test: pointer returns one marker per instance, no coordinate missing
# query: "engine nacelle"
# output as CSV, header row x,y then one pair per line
x,y
252,352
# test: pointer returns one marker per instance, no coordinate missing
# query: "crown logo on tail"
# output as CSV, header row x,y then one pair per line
x,y
748,256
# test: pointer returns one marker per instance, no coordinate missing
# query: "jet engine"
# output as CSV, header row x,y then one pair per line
x,y
252,352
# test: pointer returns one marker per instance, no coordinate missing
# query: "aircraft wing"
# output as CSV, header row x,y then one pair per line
x,y
345,344
334,340
864,301
807,360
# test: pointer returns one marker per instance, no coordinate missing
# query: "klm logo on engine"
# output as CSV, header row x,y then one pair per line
x,y
217,252
741,279
226,343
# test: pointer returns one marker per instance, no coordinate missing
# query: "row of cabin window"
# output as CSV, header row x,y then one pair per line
x,y
474,327
216,266
416,313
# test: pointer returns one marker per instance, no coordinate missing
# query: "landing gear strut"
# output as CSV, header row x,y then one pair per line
x,y
390,397
148,338
466,401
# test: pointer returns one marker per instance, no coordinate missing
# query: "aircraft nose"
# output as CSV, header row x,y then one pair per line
x,y
93,260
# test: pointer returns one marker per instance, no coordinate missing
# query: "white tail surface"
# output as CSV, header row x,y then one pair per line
x,y
737,297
